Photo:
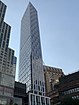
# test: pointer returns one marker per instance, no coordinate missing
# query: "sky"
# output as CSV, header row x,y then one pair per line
x,y
59,31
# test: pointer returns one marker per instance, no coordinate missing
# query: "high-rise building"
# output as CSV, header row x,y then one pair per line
x,y
31,64
7,60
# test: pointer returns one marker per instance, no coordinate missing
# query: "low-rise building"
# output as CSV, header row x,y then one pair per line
x,y
20,96
69,86
52,75
23,98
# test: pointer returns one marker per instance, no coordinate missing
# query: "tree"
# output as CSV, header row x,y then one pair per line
x,y
15,104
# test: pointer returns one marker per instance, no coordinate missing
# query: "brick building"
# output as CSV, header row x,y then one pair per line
x,y
52,76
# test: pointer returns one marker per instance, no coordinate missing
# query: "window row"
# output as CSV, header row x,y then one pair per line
x,y
37,100
71,91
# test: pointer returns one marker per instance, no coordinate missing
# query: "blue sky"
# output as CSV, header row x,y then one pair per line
x,y
59,30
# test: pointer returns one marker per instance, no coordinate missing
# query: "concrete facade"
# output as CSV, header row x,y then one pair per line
x,y
7,60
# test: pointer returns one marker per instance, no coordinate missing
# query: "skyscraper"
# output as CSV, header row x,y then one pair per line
x,y
7,60
31,64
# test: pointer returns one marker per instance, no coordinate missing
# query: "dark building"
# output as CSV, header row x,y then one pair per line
x,y
23,98
69,86
54,96
20,96
19,89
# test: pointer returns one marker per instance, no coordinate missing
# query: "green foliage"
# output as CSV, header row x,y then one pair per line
x,y
15,104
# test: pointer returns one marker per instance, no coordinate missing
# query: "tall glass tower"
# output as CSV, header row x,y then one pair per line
x,y
30,63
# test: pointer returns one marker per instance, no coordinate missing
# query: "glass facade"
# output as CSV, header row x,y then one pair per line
x,y
30,63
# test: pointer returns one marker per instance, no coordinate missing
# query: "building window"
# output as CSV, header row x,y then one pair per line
x,y
47,101
38,100
32,100
39,88
42,100
74,90
3,44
